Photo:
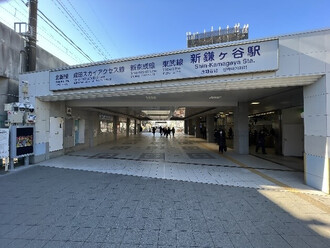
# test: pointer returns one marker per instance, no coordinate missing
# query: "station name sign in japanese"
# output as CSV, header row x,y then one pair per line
x,y
235,59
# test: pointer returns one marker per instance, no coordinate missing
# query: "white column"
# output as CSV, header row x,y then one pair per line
x,y
128,123
135,126
186,126
241,128
317,134
115,130
191,130
198,130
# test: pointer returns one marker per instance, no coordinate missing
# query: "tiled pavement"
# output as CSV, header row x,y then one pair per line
x,y
158,192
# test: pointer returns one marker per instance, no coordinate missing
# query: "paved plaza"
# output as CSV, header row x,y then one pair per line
x,y
152,191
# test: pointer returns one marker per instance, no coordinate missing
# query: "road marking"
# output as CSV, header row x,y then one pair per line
x,y
286,187
295,191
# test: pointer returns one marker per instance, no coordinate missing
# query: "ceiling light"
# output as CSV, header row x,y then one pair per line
x,y
151,97
255,103
156,112
214,97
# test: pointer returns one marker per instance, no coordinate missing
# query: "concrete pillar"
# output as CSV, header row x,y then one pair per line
x,y
91,132
128,123
135,126
317,134
210,128
115,130
241,128
198,133
186,126
191,128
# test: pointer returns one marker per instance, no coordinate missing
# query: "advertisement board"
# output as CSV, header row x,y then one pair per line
x,y
225,60
21,141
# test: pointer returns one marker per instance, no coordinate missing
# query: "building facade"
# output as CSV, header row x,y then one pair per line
x,y
219,85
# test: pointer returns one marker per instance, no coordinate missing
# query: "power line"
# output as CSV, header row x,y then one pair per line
x,y
13,12
61,33
63,49
90,30
66,12
54,27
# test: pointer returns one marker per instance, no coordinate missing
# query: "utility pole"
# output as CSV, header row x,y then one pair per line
x,y
32,38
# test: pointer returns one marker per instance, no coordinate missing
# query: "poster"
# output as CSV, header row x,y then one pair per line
x,y
24,141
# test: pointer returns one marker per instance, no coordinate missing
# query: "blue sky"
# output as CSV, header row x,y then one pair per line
x,y
126,28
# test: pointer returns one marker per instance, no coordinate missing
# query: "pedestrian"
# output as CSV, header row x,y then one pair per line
x,y
161,130
222,141
173,131
153,131
261,142
165,132
169,131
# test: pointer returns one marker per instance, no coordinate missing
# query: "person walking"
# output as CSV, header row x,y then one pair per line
x,y
165,130
173,131
261,142
222,141
169,131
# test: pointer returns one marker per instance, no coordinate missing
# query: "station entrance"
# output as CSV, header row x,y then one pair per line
x,y
277,111
274,85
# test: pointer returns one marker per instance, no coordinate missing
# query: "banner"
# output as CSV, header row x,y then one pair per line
x,y
226,60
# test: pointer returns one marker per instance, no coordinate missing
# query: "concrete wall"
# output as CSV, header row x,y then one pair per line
x,y
308,54
11,46
316,58
292,132
317,133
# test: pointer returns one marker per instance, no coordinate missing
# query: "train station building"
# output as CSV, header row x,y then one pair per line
x,y
279,84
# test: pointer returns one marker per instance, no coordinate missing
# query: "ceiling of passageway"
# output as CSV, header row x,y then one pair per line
x,y
163,106
160,100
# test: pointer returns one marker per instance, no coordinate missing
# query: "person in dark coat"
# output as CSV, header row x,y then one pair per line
x,y
261,142
169,131
222,140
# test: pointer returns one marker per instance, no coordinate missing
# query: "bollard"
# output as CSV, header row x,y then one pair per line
x,y
26,160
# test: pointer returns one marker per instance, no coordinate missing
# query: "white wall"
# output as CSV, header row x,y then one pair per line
x,y
317,133
308,54
292,132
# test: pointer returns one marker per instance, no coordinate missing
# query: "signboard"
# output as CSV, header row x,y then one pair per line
x,y
226,60
21,141
4,143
